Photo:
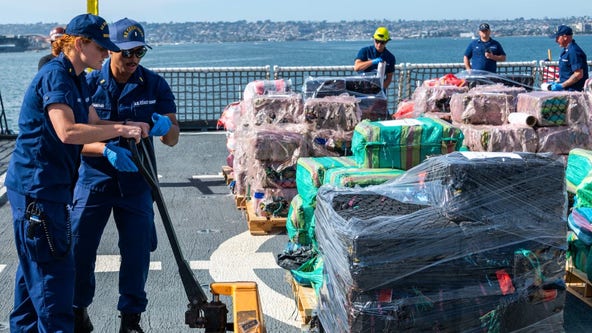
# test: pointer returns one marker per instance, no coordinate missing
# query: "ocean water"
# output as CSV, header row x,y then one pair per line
x,y
17,69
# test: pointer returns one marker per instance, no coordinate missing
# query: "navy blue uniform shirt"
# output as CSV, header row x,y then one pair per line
x,y
476,53
571,59
144,94
42,166
370,52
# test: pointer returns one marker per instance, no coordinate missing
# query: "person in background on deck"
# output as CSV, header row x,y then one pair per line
x,y
573,65
55,120
122,91
484,53
54,35
369,57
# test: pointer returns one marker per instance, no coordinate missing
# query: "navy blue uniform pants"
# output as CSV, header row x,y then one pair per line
x,y
134,219
44,284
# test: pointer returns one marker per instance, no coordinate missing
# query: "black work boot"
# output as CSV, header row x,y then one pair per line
x,y
82,322
130,323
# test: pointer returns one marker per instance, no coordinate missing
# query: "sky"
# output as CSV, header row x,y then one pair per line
x,y
163,11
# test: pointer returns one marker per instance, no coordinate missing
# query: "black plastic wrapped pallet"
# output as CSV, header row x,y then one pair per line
x,y
425,252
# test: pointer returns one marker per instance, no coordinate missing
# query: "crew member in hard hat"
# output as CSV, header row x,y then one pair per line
x,y
55,121
123,90
573,66
54,35
485,52
369,57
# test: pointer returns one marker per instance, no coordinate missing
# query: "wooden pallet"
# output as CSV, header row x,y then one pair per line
x,y
578,284
262,225
306,299
228,174
240,201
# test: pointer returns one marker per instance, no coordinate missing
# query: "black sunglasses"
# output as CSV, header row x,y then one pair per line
x,y
380,41
137,52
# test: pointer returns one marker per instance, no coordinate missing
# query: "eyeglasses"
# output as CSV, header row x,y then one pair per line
x,y
134,52
380,41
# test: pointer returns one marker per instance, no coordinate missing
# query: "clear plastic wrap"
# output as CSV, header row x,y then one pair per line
x,y
506,138
482,108
467,242
434,98
332,112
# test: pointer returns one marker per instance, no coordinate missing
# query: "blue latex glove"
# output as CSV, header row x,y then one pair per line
x,y
162,124
120,158
556,86
376,61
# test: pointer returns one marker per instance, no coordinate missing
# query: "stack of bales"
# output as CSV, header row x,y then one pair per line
x,y
578,177
500,118
462,242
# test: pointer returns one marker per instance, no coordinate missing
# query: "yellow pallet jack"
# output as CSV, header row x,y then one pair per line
x,y
246,313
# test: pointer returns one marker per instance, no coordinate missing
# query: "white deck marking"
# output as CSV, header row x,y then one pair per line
x,y
219,176
2,268
236,259
2,188
110,263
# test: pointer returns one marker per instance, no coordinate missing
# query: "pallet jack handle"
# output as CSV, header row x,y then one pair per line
x,y
200,313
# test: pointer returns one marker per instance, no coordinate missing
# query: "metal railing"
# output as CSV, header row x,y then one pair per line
x,y
202,93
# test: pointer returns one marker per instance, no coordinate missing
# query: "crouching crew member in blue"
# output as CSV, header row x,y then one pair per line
x,y
573,63
55,120
369,57
122,91
484,52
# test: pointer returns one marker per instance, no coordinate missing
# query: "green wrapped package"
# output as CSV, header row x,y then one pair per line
x,y
352,177
310,172
403,143
578,174
299,220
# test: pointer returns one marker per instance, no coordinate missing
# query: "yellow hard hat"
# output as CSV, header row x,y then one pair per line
x,y
382,34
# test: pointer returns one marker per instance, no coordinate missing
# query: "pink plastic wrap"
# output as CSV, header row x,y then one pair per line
x,y
274,109
332,112
482,108
435,99
549,107
505,138
562,139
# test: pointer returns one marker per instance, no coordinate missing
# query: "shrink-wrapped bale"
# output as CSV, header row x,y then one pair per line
x,y
269,174
499,89
482,108
463,242
332,112
374,108
272,143
435,99
561,139
362,177
310,173
403,143
506,138
299,220
328,142
266,87
274,109
578,174
549,108
580,255
318,87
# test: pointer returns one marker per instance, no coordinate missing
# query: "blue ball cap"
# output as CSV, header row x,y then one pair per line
x,y
563,30
128,34
92,27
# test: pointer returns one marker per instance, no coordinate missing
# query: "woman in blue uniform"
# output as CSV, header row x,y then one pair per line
x,y
122,90
56,119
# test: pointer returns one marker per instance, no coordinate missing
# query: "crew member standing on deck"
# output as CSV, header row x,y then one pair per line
x,y
122,91
55,120
369,57
484,53
573,66
54,35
